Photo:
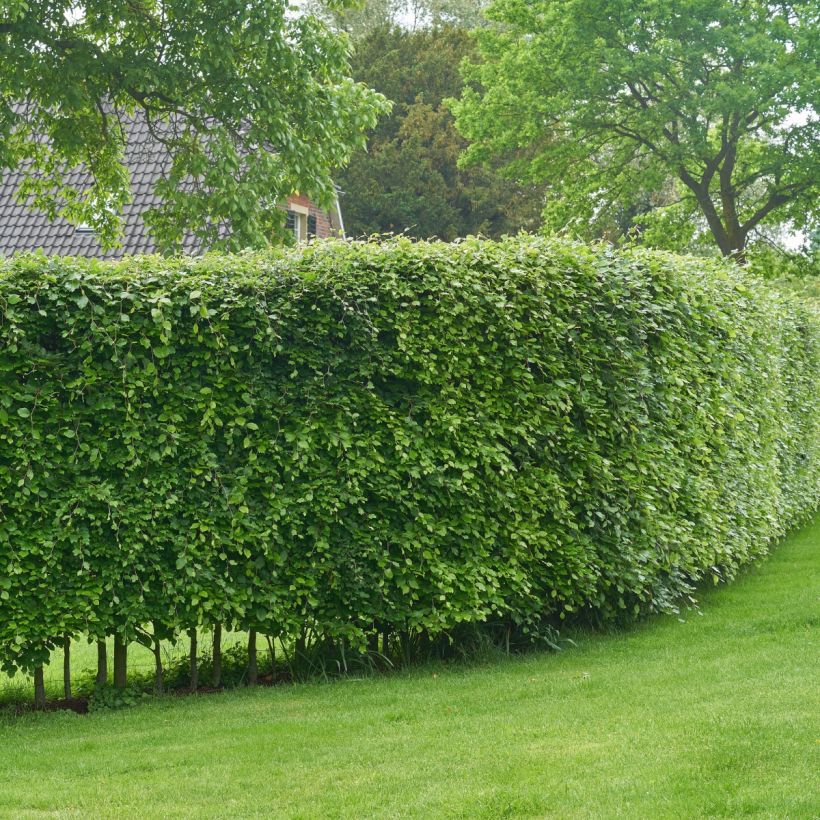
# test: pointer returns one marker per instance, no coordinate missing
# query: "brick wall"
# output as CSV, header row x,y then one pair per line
x,y
324,226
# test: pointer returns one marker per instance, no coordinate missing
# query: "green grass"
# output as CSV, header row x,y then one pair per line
x,y
715,716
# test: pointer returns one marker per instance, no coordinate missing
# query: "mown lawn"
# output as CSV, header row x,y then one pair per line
x,y
716,716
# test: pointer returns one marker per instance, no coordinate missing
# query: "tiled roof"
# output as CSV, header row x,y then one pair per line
x,y
25,229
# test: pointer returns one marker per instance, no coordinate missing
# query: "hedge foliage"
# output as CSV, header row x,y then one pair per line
x,y
352,438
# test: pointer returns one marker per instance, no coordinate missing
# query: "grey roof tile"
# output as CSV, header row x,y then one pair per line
x,y
25,229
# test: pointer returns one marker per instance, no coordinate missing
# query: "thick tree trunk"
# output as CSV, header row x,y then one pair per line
x,y
120,662
739,253
39,689
67,667
729,241
253,669
194,667
715,225
216,678
159,680
102,663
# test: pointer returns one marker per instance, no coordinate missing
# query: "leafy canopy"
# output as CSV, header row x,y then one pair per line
x,y
409,179
363,18
611,100
252,103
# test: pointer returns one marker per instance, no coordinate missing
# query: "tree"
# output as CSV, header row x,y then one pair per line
x,y
612,102
409,180
361,19
251,102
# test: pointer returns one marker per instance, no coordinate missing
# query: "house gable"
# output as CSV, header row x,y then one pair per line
x,y
26,229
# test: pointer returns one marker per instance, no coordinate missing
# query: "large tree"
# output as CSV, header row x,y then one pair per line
x,y
251,101
705,106
409,180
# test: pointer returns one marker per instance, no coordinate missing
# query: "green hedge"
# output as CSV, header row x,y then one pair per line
x,y
355,438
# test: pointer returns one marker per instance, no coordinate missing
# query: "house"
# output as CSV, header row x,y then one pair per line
x,y
25,229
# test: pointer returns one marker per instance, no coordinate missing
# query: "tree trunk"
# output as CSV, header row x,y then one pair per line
x,y
67,668
39,689
739,253
708,209
405,644
272,651
194,668
424,644
102,663
120,662
253,670
159,682
343,651
216,679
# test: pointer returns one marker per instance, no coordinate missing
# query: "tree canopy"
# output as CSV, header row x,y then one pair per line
x,y
694,107
409,179
251,102
363,18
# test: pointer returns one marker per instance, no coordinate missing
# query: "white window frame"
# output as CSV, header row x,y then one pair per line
x,y
300,215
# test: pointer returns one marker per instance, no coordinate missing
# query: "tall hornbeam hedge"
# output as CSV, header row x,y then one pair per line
x,y
354,438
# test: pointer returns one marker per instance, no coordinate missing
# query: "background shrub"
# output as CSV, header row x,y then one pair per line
x,y
353,440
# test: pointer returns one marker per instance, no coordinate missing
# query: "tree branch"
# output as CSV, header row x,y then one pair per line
x,y
778,198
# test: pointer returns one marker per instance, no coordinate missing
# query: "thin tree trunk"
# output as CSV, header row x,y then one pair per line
x,y
404,643
67,667
159,681
39,689
300,651
272,651
102,663
216,680
424,644
253,669
342,648
194,668
120,662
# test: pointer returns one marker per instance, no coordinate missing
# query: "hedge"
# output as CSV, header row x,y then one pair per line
x,y
351,439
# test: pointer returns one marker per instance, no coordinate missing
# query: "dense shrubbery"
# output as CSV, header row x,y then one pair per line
x,y
356,440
